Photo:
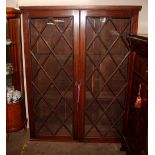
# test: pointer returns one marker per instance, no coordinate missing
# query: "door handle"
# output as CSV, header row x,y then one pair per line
x,y
78,91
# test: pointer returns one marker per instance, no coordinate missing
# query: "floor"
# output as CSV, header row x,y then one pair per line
x,y
19,144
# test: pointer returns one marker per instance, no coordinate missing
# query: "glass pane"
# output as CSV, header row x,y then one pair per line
x,y
51,42
106,75
9,66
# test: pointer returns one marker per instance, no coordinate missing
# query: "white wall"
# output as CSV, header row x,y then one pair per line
x,y
12,3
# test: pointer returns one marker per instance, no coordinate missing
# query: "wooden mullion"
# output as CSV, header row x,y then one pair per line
x,y
63,124
53,109
93,126
50,113
52,51
41,94
47,74
112,46
104,112
103,79
96,32
120,91
32,46
62,33
38,130
113,73
114,125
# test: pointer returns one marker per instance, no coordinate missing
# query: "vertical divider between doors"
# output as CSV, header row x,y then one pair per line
x,y
82,66
76,73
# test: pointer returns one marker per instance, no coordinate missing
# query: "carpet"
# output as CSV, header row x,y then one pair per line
x,y
71,148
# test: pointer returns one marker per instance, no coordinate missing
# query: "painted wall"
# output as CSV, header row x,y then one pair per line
x,y
12,3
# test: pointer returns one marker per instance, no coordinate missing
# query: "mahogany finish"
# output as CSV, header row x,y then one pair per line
x,y
78,27
16,116
12,13
137,124
15,112
15,54
127,9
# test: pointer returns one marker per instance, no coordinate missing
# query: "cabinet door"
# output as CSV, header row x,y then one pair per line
x,y
104,61
51,70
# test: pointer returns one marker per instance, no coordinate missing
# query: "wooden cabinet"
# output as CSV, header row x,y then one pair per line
x,y
15,112
77,62
13,50
137,128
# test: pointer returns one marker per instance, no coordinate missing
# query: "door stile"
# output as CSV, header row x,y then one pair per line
x,y
76,74
82,67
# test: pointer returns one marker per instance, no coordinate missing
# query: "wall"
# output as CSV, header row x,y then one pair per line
x,y
12,3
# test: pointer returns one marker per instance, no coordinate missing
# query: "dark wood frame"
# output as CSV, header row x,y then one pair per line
x,y
13,19
139,50
16,112
79,40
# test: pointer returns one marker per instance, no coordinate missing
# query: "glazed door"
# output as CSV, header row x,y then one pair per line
x,y
52,57
77,71
104,55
